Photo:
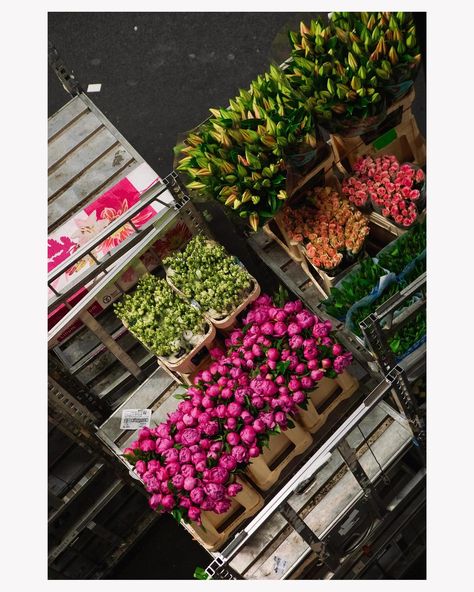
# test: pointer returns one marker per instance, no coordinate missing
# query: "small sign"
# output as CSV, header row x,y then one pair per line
x,y
94,87
279,565
132,419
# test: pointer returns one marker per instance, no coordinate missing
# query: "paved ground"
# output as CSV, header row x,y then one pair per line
x,y
160,72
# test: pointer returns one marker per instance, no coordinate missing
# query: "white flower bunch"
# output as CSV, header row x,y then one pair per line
x,y
206,273
159,318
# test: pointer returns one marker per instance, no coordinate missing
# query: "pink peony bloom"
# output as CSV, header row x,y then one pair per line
x,y
167,502
189,483
215,491
197,495
227,461
248,435
218,475
233,438
240,454
279,329
294,329
208,504
294,384
234,410
184,455
317,375
231,423
211,428
307,382
280,418
194,514
295,341
233,489
305,319
254,451
257,402
148,445
190,436
222,506
188,470
299,397
155,501
268,419
173,468
145,433
140,467
178,481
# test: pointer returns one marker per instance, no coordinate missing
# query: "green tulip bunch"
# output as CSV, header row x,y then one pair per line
x,y
159,318
206,273
349,67
238,156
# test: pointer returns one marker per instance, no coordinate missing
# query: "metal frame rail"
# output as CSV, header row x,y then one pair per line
x,y
382,324
394,383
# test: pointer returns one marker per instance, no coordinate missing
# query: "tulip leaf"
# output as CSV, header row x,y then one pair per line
x,y
177,514
200,574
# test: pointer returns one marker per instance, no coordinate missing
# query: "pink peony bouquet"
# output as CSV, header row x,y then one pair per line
x,y
190,462
393,189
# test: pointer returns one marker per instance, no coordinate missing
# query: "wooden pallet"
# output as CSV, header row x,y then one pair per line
x,y
330,392
217,528
265,470
398,134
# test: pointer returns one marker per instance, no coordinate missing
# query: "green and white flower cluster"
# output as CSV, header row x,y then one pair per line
x,y
160,319
206,273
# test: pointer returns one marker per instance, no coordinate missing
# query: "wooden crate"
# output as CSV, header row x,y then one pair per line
x,y
398,134
325,398
326,281
322,174
265,470
230,320
189,362
216,528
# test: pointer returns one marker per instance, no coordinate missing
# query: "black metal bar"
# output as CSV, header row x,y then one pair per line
x,y
66,77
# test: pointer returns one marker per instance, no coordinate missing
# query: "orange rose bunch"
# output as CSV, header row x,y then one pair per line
x,y
329,227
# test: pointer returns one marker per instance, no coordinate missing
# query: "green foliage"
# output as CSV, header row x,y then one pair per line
x,y
206,273
159,318
345,68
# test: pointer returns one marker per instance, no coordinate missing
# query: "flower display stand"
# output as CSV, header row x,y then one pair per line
x,y
265,470
325,398
398,134
218,527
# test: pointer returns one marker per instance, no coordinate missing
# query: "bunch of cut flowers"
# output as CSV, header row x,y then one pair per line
x,y
160,319
393,189
206,273
330,229
191,462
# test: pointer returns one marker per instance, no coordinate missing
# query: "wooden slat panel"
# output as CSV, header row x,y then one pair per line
x,y
71,137
95,181
79,161
64,116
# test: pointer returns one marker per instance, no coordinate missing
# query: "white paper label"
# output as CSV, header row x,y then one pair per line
x,y
279,565
132,419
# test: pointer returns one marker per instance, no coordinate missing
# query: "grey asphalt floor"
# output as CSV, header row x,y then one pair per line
x,y
160,72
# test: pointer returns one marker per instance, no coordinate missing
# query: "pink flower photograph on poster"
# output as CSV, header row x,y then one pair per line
x,y
91,221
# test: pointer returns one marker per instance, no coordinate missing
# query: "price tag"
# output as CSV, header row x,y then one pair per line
x,y
279,565
132,419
